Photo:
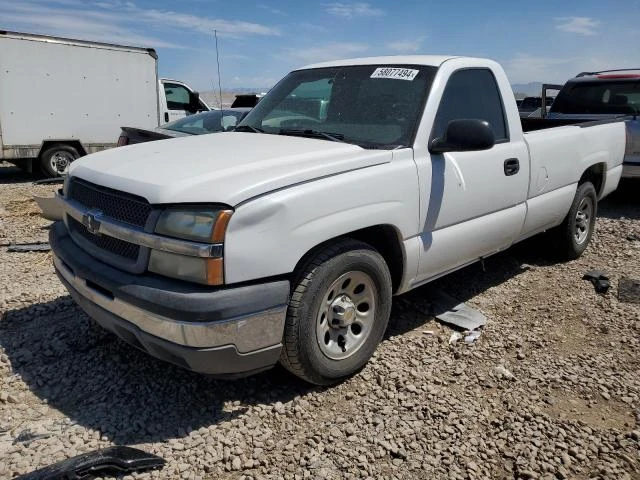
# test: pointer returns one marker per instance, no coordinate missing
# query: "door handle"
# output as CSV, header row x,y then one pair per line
x,y
511,166
166,117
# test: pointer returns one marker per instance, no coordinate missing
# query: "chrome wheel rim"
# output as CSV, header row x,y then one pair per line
x,y
60,161
583,220
346,315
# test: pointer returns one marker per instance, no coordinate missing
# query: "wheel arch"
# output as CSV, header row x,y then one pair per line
x,y
77,144
384,238
596,174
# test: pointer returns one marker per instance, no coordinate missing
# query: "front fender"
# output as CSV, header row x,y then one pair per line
x,y
267,236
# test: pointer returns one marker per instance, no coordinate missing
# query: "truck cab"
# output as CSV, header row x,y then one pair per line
x,y
177,100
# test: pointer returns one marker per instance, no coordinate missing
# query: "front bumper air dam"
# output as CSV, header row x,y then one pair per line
x,y
218,331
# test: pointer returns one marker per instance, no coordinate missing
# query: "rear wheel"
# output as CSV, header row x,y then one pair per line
x,y
55,160
575,232
338,312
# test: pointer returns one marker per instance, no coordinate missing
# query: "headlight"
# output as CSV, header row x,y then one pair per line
x,y
199,225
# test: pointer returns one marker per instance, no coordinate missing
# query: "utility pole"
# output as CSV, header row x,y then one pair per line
x,y
215,33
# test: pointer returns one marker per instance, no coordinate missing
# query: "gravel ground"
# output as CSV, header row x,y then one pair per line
x,y
551,390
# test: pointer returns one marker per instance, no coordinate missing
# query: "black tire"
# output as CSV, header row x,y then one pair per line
x,y
573,235
49,156
301,352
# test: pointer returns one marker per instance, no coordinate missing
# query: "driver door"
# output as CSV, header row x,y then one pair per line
x,y
476,200
177,97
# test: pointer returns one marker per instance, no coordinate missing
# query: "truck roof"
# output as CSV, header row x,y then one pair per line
x,y
618,74
71,41
428,60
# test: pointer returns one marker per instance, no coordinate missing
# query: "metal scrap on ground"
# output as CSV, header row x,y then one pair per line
x,y
50,181
472,336
119,460
599,279
629,290
27,436
449,310
50,207
29,247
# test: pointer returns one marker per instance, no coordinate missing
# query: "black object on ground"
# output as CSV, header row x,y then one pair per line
x,y
118,460
26,437
629,290
599,279
48,181
29,247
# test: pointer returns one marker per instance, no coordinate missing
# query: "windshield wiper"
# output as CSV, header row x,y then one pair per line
x,y
334,137
248,128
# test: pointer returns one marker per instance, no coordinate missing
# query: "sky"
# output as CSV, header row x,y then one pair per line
x,y
259,42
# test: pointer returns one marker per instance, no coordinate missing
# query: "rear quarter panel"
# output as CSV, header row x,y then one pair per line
x,y
559,156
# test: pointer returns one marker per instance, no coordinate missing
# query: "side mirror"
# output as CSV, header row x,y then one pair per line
x,y
194,102
464,135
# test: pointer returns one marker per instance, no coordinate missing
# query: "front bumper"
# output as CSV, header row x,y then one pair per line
x,y
218,331
631,170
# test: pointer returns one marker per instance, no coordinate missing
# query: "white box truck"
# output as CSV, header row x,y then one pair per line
x,y
61,99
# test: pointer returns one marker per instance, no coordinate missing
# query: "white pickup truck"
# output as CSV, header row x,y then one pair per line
x,y
350,182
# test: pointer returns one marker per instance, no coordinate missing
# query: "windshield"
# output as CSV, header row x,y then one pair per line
x,y
371,106
599,97
206,122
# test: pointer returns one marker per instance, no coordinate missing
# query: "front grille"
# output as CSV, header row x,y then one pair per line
x,y
117,205
112,245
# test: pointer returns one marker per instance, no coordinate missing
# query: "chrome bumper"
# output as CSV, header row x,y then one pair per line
x,y
247,333
631,171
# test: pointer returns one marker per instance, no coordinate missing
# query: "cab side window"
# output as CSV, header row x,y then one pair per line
x,y
472,93
177,96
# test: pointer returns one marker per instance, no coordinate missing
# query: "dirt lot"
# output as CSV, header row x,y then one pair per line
x,y
550,390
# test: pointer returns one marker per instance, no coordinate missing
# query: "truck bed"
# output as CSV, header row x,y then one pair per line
x,y
533,124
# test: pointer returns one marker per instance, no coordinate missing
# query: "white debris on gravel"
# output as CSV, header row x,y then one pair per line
x,y
551,391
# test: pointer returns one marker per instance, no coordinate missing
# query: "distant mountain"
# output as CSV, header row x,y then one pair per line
x,y
521,90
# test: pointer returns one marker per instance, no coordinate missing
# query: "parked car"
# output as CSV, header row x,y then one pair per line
x,y
286,239
62,98
529,104
247,100
201,123
532,106
600,96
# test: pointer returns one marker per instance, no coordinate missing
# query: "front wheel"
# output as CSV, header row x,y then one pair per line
x,y
338,312
55,160
575,232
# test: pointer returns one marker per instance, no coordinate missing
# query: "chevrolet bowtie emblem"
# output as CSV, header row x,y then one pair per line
x,y
91,220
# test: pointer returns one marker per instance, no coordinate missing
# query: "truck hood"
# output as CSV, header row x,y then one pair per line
x,y
225,168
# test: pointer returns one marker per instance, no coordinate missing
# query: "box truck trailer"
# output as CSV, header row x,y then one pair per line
x,y
61,99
